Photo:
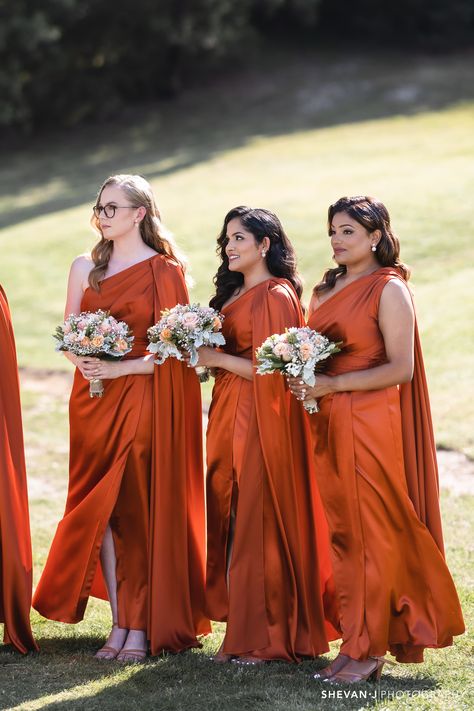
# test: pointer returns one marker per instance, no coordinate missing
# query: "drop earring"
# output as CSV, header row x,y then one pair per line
x,y
374,248
263,253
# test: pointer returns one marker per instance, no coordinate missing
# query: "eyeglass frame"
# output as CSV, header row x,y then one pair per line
x,y
97,209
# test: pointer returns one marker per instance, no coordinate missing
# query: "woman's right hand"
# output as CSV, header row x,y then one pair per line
x,y
79,362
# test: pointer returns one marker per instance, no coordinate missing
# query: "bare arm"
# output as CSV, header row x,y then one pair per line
x,y
396,322
218,359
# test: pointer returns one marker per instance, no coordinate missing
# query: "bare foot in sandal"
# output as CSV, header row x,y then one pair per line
x,y
135,648
114,643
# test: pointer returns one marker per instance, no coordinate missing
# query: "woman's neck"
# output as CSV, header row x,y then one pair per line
x,y
255,276
354,271
129,249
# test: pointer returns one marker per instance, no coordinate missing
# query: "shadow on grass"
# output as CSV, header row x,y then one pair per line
x,y
285,93
186,681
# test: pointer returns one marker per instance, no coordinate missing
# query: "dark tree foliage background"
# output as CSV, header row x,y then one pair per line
x,y
63,61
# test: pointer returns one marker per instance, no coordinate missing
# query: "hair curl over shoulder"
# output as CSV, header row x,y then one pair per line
x,y
280,257
373,215
139,194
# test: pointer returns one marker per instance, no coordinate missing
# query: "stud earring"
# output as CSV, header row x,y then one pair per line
x,y
374,248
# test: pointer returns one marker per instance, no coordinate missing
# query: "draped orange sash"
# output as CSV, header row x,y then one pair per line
x,y
15,542
136,461
259,454
376,466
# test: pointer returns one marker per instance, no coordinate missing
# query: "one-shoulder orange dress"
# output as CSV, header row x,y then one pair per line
x,y
260,464
15,541
375,461
136,462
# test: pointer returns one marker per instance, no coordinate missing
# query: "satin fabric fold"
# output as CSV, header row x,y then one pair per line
x,y
136,461
15,541
375,462
259,462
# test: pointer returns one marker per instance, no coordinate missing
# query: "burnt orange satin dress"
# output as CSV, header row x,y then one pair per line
x,y
15,541
375,461
260,465
136,461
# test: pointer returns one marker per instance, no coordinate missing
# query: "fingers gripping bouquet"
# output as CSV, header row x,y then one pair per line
x,y
96,334
184,329
297,353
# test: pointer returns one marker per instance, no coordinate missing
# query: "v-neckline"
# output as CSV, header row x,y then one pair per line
x,y
356,281
227,306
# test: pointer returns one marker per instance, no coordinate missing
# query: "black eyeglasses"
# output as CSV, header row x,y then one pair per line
x,y
109,210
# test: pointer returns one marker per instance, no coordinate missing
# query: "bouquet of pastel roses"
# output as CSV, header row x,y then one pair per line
x,y
184,329
296,353
96,334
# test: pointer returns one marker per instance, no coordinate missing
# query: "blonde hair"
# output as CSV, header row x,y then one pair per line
x,y
152,230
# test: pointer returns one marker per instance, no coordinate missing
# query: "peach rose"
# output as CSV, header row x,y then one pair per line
x,y
97,341
85,342
306,351
217,324
121,345
165,335
283,350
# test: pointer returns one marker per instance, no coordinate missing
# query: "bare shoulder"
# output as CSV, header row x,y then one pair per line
x,y
396,292
396,304
79,273
82,265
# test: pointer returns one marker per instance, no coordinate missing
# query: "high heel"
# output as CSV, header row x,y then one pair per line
x,y
345,675
333,668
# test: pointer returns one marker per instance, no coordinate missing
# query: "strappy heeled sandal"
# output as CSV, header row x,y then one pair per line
x,y
333,668
108,650
134,656
352,677
248,661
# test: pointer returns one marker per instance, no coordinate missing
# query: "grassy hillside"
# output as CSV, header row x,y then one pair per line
x,y
293,140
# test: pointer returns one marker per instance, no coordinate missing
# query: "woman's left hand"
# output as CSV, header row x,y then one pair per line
x,y
95,368
207,356
323,386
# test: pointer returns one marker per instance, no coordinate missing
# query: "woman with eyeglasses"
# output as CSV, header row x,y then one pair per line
x,y
15,543
134,516
374,453
268,570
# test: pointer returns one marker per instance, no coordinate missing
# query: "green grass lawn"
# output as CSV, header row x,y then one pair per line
x,y
292,140
66,676
316,128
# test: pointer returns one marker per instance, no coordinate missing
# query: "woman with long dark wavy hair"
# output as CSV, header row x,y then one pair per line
x,y
374,453
134,516
268,570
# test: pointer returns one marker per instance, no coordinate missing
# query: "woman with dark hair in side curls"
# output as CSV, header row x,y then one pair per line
x,y
268,568
374,452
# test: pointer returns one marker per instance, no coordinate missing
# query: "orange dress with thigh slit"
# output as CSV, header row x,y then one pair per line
x,y
15,541
136,462
375,462
280,600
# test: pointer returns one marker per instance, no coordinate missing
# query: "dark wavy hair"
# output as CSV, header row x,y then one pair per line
x,y
280,257
373,215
